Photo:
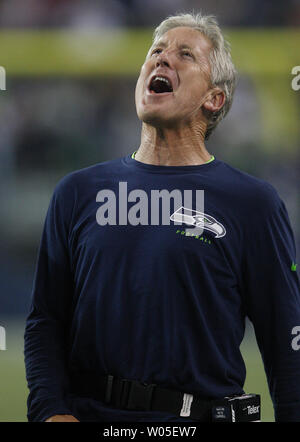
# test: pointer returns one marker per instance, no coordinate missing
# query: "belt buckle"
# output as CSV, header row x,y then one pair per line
x,y
108,389
116,392
140,396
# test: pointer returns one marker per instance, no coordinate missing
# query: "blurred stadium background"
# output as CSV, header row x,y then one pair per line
x,y
71,68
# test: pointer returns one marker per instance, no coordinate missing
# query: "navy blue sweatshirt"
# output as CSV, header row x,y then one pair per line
x,y
157,303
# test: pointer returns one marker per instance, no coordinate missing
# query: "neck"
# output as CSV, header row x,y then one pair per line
x,y
173,146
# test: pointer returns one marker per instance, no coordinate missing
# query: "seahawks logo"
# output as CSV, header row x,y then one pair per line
x,y
199,219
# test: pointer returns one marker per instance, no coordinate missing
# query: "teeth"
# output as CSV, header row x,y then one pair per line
x,y
163,79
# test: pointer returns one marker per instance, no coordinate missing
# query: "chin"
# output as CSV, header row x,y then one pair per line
x,y
157,119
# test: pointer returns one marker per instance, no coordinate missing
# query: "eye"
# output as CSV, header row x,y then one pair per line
x,y
156,51
186,53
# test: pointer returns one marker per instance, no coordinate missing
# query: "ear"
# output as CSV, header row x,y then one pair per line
x,y
215,100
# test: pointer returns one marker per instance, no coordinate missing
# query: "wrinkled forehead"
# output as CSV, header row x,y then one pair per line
x,y
183,36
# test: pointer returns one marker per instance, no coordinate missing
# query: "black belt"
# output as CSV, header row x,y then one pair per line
x,y
135,395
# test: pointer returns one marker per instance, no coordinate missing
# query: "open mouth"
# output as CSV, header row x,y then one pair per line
x,y
160,85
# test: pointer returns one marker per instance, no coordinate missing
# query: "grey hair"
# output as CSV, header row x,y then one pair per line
x,y
223,72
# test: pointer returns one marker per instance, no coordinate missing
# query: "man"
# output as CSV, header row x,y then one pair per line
x,y
137,319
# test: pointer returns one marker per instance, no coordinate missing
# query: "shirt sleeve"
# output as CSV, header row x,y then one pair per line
x,y
45,338
273,300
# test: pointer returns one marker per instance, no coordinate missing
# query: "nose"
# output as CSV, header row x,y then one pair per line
x,y
162,60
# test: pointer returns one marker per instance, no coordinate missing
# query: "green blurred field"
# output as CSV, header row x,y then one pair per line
x,y
13,390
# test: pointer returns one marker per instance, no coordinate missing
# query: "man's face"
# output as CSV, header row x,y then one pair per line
x,y
175,79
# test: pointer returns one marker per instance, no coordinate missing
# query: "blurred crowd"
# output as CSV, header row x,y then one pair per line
x,y
97,13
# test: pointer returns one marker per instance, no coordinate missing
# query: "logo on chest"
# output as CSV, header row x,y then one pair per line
x,y
198,220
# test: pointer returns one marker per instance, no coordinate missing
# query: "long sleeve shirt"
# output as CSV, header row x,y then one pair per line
x,y
119,291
